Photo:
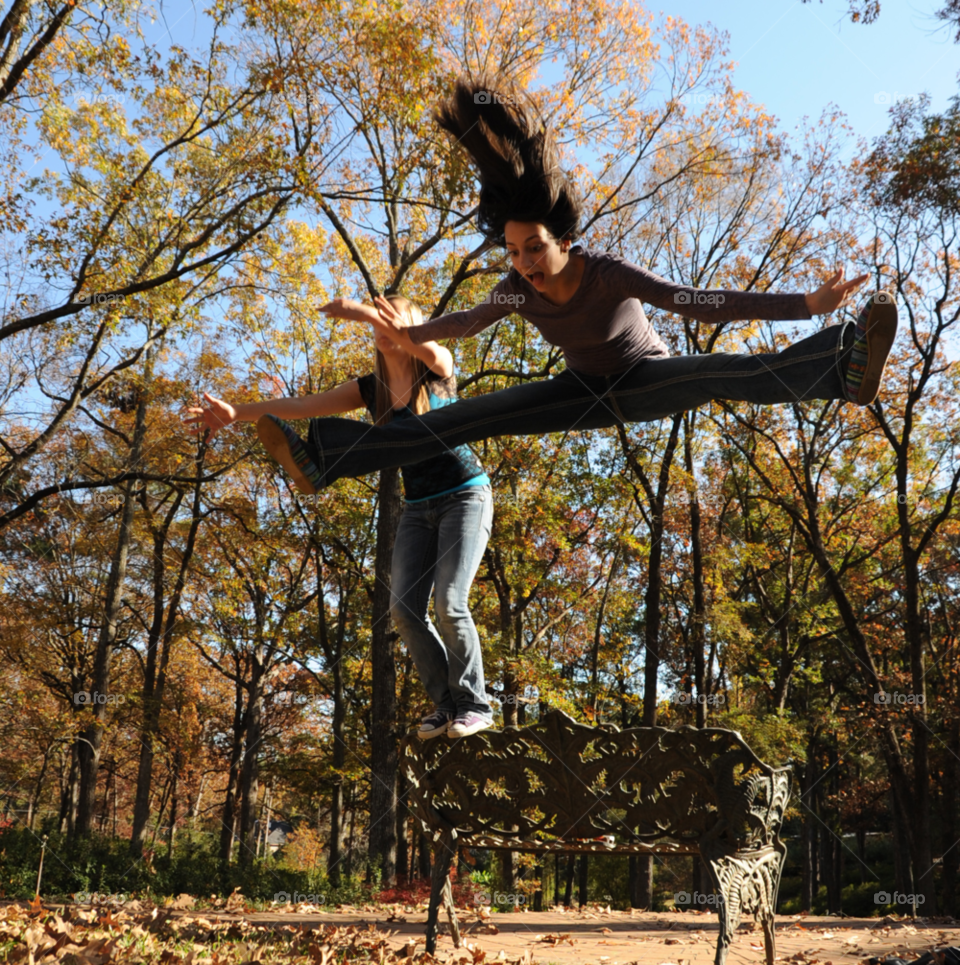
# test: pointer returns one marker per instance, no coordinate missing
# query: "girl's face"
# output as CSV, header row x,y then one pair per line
x,y
388,346
535,253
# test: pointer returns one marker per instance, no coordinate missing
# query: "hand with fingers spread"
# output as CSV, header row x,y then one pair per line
x,y
216,415
832,293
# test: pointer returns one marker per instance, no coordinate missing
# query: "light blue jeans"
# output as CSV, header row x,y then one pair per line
x,y
440,542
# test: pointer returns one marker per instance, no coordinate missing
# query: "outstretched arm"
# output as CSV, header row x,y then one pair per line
x,y
499,303
727,305
217,414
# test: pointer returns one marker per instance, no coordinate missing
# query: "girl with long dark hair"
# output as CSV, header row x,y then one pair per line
x,y
589,304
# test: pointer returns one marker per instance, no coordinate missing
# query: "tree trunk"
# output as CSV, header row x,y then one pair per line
x,y
233,775
384,757
511,716
508,871
903,865
950,825
91,740
809,886
568,882
174,802
333,653
424,856
339,762
699,616
250,769
158,658
403,851
68,800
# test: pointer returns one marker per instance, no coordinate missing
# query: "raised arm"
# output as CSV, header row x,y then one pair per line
x,y
217,414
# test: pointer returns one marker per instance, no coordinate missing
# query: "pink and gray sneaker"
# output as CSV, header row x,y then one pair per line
x,y
466,724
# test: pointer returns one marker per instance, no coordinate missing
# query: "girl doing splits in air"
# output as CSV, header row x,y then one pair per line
x,y
589,303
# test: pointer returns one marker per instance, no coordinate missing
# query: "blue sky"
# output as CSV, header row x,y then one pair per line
x,y
796,58
793,57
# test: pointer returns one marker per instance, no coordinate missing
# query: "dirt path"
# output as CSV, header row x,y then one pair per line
x,y
598,937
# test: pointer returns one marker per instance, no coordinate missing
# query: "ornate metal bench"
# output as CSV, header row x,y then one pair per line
x,y
559,787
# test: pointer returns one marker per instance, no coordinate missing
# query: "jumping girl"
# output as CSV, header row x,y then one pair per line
x,y
447,515
589,304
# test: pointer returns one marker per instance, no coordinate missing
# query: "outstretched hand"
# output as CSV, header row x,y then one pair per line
x,y
382,315
216,415
831,294
348,308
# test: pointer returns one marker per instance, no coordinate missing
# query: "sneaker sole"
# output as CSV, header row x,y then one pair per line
x,y
275,442
427,734
881,332
467,733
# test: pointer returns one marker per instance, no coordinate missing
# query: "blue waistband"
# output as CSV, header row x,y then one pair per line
x,y
482,480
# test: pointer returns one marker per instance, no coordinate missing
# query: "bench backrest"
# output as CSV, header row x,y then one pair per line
x,y
561,779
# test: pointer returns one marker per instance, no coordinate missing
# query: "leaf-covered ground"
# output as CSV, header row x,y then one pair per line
x,y
232,932
133,933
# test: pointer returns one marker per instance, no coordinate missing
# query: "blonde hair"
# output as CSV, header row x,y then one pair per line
x,y
420,397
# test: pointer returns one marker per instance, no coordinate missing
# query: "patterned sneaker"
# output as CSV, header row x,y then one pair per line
x,y
876,330
469,723
433,725
293,454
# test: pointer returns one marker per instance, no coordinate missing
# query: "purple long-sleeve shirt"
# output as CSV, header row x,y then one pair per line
x,y
602,329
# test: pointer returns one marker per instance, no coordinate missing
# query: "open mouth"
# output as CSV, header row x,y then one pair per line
x,y
536,277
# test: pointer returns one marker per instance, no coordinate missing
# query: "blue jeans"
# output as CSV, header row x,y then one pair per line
x,y
440,542
653,389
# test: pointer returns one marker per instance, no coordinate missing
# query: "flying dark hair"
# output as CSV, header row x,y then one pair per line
x,y
516,158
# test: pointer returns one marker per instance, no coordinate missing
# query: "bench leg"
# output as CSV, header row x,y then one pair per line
x,y
769,935
747,883
452,913
443,855
728,911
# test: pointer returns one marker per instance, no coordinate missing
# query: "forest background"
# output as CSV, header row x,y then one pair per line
x,y
192,650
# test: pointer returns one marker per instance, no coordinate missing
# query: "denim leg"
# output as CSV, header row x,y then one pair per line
x,y
808,369
465,520
651,390
411,583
